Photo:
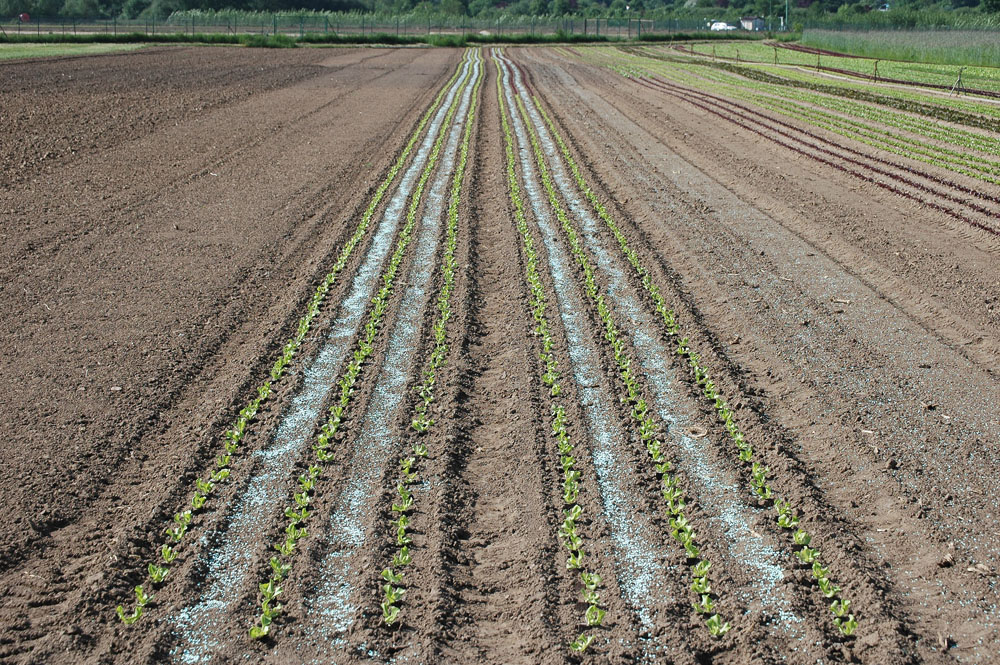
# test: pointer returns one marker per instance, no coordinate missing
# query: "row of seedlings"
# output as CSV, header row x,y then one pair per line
x,y
648,427
298,511
392,575
568,531
238,429
786,516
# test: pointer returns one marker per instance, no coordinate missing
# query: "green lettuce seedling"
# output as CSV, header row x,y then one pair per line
x,y
581,642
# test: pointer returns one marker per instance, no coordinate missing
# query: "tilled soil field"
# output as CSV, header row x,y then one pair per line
x,y
500,356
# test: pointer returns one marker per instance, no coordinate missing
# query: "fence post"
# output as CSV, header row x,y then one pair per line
x,y
274,24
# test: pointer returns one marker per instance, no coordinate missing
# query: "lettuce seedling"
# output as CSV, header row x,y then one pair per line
x,y
716,627
141,597
267,616
279,570
840,608
270,590
420,450
392,577
590,580
198,501
168,553
393,594
691,549
705,605
157,573
846,626
581,642
828,588
570,494
594,616
788,521
575,560
296,516
390,613
701,585
819,571
401,537
129,619
402,557
807,555
802,538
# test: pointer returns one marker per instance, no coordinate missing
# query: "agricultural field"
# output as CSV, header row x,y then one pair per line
x,y
614,354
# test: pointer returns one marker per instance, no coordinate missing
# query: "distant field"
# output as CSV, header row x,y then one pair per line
x,y
11,51
941,47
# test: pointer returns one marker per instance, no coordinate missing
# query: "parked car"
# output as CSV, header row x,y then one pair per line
x,y
722,26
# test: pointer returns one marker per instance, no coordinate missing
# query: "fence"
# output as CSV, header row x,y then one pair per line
x,y
354,24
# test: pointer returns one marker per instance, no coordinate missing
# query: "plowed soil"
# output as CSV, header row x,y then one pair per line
x,y
168,212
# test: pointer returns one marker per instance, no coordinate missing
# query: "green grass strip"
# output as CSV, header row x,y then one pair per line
x,y
650,431
568,531
787,516
204,489
297,512
393,574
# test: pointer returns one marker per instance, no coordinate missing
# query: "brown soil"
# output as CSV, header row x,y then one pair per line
x,y
166,222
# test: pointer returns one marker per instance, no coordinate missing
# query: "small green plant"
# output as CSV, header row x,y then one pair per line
x,y
846,626
581,643
267,616
129,619
716,626
594,616
390,613
393,594
840,608
391,576
279,570
157,573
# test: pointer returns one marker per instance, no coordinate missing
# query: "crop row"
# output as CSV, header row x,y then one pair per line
x,y
912,73
569,531
298,511
779,98
237,431
777,131
870,132
650,431
787,517
932,109
393,574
